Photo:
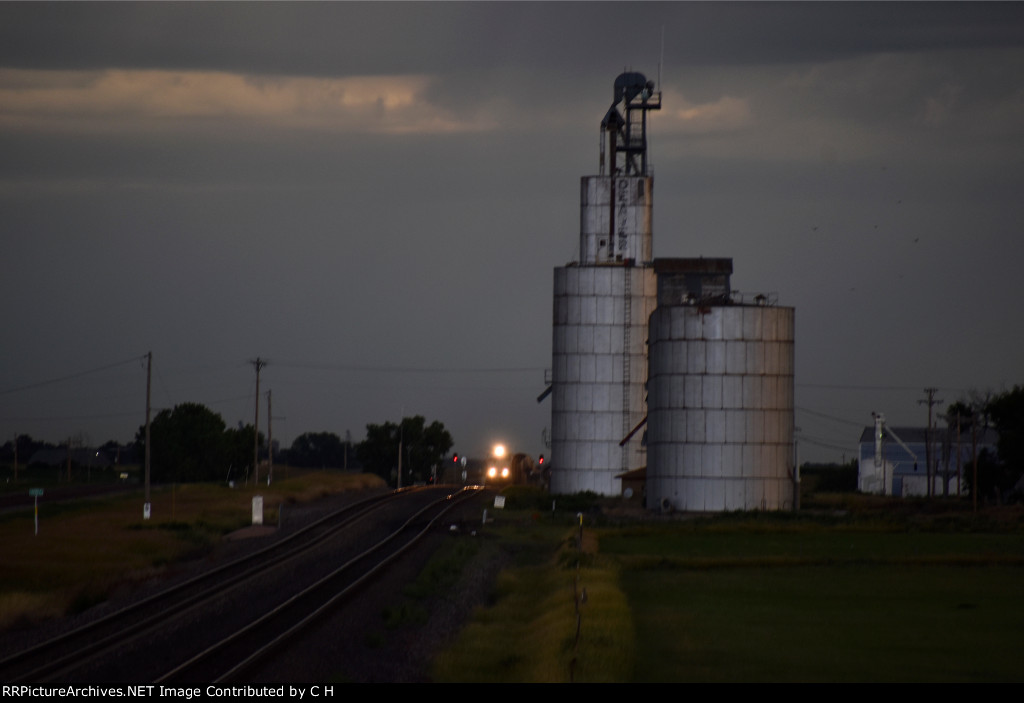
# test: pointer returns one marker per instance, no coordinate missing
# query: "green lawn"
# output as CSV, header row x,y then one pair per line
x,y
731,599
828,623
890,595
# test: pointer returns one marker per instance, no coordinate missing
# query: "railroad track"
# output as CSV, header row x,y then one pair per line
x,y
219,639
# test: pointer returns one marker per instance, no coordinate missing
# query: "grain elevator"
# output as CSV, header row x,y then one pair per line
x,y
601,306
659,364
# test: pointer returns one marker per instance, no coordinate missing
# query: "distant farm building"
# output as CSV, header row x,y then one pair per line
x,y
895,464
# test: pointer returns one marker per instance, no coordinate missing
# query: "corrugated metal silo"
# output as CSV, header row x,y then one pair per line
x,y
599,366
720,409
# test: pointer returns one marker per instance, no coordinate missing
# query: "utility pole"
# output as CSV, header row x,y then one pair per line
x,y
401,434
958,455
270,443
796,469
928,435
974,458
257,364
401,437
146,508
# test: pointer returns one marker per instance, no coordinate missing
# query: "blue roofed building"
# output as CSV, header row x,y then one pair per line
x,y
895,462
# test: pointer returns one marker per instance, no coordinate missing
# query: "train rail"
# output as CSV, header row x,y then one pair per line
x,y
88,651
246,647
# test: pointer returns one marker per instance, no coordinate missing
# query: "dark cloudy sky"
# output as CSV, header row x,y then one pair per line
x,y
373,197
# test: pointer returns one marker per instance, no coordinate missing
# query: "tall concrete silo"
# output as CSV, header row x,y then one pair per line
x,y
602,304
720,409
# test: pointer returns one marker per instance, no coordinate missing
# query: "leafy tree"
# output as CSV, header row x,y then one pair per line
x,y
998,472
237,451
1007,413
962,411
26,448
379,451
423,447
995,479
317,450
188,444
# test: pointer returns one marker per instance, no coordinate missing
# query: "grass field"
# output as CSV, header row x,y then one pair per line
x,y
86,548
854,589
828,623
886,592
824,605
529,633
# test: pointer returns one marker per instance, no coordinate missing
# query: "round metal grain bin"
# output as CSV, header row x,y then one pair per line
x,y
720,408
599,367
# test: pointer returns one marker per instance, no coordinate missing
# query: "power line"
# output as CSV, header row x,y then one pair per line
x,y
49,418
804,439
850,387
408,369
830,417
72,376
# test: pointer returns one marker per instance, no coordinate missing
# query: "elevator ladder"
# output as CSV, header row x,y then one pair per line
x,y
627,325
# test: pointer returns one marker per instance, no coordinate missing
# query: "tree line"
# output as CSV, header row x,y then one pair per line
x,y
190,442
1000,475
193,443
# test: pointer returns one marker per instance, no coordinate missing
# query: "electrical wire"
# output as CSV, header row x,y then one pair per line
x,y
408,369
69,377
848,387
829,417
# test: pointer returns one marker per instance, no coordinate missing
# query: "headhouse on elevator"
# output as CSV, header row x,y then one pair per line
x,y
666,343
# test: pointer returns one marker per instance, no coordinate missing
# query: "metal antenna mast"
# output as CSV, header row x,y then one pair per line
x,y
661,57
